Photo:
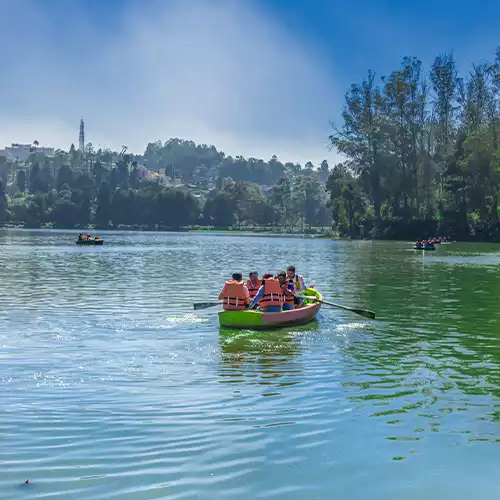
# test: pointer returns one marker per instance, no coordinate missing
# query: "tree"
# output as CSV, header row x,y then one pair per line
x,y
219,211
134,175
5,169
360,136
281,197
65,211
36,210
64,176
3,201
103,212
324,171
21,180
345,199
34,173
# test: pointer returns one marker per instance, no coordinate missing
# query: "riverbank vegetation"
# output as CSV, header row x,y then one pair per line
x,y
422,152
174,185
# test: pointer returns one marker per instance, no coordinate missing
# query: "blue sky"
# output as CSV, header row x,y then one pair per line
x,y
253,77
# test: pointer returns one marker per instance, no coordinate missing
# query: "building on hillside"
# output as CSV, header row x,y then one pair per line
x,y
21,152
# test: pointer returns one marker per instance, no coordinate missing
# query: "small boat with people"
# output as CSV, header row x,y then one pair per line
x,y
430,243
259,320
424,245
270,302
88,239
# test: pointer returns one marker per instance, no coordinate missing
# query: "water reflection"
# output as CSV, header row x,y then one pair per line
x,y
267,358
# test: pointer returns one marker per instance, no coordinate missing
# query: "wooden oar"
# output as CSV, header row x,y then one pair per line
x,y
205,305
362,312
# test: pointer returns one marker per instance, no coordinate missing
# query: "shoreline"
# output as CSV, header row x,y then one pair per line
x,y
194,230
256,232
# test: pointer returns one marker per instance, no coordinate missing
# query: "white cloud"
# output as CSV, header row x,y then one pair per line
x,y
222,73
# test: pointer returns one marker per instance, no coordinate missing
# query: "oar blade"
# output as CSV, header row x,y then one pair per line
x,y
364,313
204,305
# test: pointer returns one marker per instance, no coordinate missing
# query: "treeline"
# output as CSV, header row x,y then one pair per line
x,y
422,153
183,185
197,163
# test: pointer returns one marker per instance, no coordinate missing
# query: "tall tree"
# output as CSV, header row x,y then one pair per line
x,y
21,180
103,213
359,137
3,202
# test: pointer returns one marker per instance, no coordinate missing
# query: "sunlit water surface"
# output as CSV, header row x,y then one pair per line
x,y
112,387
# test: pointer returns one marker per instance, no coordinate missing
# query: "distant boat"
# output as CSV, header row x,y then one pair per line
x,y
90,241
424,247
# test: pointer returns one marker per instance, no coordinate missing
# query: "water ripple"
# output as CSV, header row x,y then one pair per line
x,y
112,387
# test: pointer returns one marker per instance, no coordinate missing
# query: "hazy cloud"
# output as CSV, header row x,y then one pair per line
x,y
215,72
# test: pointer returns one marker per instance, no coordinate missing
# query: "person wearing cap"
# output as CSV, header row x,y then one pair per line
x,y
269,296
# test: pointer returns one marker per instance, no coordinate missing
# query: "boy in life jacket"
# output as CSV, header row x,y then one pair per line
x,y
235,295
253,284
288,289
270,295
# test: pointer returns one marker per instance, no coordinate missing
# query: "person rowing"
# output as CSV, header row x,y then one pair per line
x,y
269,296
288,289
298,282
235,294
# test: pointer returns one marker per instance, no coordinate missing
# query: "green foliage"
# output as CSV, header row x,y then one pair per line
x,y
201,184
64,176
3,201
21,180
419,149
193,163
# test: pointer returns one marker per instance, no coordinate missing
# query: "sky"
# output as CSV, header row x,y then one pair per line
x,y
252,77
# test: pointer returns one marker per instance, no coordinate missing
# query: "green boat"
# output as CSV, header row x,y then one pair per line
x,y
258,320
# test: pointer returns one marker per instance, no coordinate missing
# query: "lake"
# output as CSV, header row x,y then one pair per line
x,y
112,387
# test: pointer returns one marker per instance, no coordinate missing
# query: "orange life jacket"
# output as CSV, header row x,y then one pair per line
x,y
253,290
273,294
233,296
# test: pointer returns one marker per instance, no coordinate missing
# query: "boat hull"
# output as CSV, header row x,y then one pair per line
x,y
90,242
258,320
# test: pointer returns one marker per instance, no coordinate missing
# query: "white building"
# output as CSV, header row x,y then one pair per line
x,y
21,152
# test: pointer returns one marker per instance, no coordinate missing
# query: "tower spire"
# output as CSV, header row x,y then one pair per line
x,y
82,135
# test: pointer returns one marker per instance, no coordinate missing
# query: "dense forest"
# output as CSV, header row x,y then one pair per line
x,y
174,185
422,153
421,157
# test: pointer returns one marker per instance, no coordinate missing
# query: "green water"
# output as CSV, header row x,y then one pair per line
x,y
112,387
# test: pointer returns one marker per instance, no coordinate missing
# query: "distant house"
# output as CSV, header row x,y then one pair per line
x,y
21,152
